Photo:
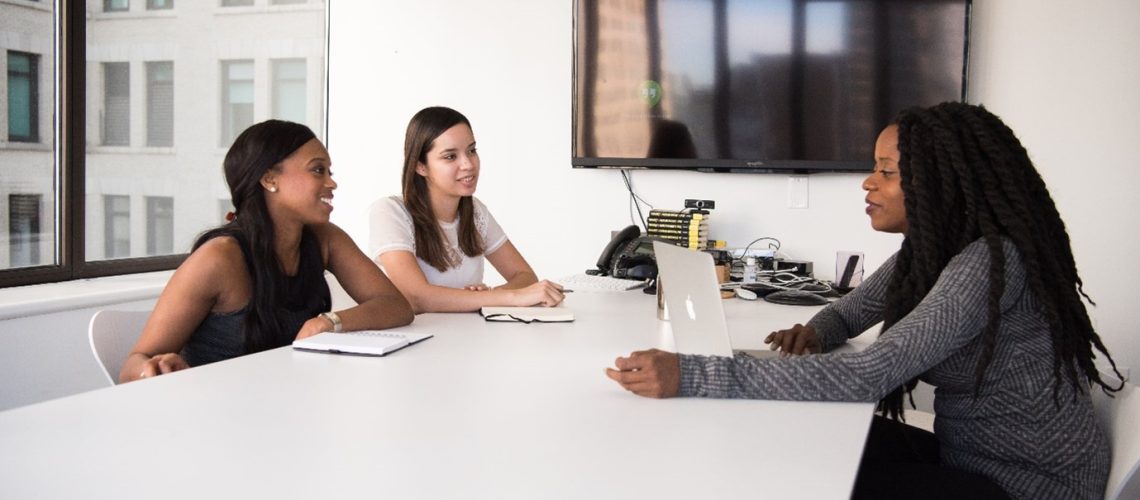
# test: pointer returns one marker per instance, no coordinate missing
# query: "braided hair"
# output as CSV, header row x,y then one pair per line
x,y
965,176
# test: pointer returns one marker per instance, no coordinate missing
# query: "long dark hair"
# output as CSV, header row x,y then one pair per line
x,y
966,176
258,149
424,127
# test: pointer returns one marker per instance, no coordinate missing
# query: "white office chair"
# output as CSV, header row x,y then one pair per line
x,y
112,334
1118,417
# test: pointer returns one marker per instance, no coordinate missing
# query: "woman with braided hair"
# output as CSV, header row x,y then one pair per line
x,y
982,301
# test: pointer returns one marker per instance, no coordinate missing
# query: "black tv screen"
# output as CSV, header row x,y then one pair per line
x,y
756,85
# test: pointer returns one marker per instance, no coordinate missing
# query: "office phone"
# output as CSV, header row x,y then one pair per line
x,y
629,255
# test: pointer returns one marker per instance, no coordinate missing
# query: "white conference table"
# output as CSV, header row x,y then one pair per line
x,y
483,410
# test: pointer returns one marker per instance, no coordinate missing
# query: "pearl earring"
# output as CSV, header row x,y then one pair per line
x,y
273,189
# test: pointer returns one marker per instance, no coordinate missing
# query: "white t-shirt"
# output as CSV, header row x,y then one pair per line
x,y
391,229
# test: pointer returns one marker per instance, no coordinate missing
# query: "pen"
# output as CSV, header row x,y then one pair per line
x,y
567,290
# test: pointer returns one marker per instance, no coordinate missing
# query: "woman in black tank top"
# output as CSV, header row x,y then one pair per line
x,y
257,282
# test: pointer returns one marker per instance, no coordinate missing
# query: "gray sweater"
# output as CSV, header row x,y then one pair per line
x,y
1013,431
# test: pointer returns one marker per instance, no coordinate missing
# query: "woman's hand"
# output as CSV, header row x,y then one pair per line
x,y
161,364
543,293
313,326
653,373
798,339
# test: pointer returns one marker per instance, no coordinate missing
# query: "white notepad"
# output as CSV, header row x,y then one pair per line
x,y
364,342
528,314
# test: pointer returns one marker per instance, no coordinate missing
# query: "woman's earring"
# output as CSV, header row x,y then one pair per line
x,y
272,189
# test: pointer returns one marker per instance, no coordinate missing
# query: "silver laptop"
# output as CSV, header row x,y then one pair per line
x,y
692,295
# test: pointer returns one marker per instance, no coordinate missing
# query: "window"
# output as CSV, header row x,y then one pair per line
x,y
289,90
237,99
24,230
116,104
23,97
116,226
116,5
160,104
286,2
128,172
159,225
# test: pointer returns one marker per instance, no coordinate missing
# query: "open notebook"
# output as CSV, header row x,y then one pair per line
x,y
364,342
528,314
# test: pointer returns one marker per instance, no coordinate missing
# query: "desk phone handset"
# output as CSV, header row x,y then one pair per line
x,y
628,255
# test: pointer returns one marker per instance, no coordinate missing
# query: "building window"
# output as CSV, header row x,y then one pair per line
x,y
159,225
116,226
145,112
289,90
24,230
116,5
116,104
237,99
23,97
160,104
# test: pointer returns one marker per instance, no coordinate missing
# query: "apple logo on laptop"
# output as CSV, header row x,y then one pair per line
x,y
690,308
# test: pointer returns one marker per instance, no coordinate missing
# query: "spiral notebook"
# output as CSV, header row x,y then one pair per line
x,y
364,342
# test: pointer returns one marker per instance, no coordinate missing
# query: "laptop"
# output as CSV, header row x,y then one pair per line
x,y
692,295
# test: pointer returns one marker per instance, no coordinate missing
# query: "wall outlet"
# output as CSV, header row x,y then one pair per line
x,y
797,191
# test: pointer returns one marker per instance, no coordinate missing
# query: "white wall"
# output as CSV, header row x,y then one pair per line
x,y
48,356
1062,73
506,65
1064,76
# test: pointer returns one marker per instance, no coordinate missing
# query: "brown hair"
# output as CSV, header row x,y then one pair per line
x,y
424,127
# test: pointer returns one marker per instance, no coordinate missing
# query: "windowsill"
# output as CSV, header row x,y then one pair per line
x,y
145,150
29,4
145,14
24,146
261,9
32,300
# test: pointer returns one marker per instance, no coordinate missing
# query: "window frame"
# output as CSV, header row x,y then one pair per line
x,y
69,127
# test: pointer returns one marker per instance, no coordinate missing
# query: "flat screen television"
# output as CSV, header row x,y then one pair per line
x,y
757,85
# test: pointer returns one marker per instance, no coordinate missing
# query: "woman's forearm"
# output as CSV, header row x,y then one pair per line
x,y
378,313
521,279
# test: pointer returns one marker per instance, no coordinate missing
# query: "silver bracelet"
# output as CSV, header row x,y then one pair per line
x,y
334,319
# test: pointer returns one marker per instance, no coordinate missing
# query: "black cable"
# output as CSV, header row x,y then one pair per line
x,y
635,199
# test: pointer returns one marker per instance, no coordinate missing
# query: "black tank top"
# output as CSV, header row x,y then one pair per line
x,y
220,336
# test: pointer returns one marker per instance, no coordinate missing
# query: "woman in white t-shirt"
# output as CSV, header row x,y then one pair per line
x,y
431,242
